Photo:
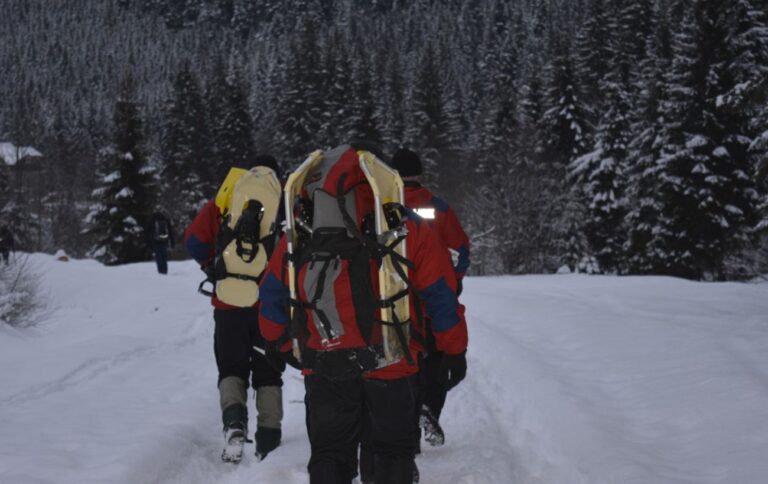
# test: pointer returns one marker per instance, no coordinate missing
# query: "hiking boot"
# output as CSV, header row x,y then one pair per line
x,y
234,440
267,440
433,433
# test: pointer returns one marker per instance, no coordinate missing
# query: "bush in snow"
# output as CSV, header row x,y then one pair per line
x,y
20,299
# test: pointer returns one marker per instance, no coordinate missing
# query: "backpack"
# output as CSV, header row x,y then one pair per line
x,y
248,201
347,265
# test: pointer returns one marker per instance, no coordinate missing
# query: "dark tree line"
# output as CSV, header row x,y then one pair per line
x,y
618,136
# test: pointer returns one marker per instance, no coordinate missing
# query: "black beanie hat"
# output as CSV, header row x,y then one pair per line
x,y
269,161
407,163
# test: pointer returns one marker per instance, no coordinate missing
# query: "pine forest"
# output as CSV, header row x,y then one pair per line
x,y
601,136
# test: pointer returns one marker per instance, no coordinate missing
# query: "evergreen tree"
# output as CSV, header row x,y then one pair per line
x,y
601,176
363,122
216,99
236,128
336,78
750,66
529,113
564,124
300,105
497,108
122,206
392,100
186,174
709,202
428,124
643,176
633,25
563,129
592,50
230,123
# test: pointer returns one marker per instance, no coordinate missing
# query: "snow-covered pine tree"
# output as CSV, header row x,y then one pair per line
x,y
529,139
709,201
391,103
575,249
564,128
601,174
300,105
335,82
533,245
233,132
363,122
633,26
601,177
428,124
186,177
749,97
122,205
216,99
643,176
493,139
592,50
502,203
564,123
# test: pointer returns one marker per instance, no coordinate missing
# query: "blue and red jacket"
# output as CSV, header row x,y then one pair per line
x,y
200,240
432,279
441,217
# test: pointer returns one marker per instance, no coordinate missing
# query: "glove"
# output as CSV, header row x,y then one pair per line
x,y
272,354
459,287
453,369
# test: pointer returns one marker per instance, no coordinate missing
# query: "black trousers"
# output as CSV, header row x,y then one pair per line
x,y
235,334
335,415
161,257
434,392
367,460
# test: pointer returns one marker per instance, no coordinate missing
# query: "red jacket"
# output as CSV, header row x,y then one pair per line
x,y
441,217
432,279
200,240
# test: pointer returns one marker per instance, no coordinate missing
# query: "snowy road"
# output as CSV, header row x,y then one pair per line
x,y
572,379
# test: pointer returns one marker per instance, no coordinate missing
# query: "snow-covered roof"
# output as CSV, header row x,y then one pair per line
x,y
11,154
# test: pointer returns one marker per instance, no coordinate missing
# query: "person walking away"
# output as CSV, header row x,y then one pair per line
x,y
441,218
160,234
335,324
7,244
238,344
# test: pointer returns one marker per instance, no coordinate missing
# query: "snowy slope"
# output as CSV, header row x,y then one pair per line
x,y
572,379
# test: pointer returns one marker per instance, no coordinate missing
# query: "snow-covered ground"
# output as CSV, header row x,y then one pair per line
x,y
572,379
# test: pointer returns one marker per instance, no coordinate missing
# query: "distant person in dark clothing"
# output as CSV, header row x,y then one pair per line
x,y
7,244
160,234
